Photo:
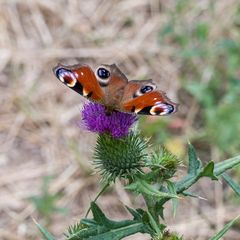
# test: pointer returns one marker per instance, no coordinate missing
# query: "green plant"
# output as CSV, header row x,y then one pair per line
x,y
46,202
148,174
209,71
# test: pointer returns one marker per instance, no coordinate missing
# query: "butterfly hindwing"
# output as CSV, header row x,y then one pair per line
x,y
142,97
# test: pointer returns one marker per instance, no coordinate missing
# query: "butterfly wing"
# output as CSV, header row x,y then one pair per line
x,y
81,79
110,87
112,82
142,97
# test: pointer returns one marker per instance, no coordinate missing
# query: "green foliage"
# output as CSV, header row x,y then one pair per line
x,y
100,227
143,187
209,70
220,234
119,157
44,232
208,66
46,202
156,192
231,183
77,227
167,236
163,164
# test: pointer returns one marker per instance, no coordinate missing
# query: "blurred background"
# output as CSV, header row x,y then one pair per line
x,y
191,49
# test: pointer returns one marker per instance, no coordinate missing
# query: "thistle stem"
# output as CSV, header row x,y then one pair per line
x,y
151,205
98,195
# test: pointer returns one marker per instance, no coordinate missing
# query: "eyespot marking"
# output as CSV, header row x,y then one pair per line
x,y
103,75
145,89
66,77
162,109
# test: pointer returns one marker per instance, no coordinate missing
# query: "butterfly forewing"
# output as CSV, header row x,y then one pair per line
x,y
81,79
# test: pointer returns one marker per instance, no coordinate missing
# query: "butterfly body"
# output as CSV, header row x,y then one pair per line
x,y
111,88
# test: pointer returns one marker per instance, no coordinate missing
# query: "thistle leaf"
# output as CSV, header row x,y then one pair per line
x,y
103,228
195,171
190,194
120,233
143,187
231,183
154,224
208,171
194,162
172,189
44,231
220,234
98,215
136,215
223,166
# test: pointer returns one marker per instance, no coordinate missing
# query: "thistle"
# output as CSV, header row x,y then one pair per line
x,y
120,157
121,153
117,124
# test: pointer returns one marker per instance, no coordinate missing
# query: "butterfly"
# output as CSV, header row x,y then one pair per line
x,y
108,86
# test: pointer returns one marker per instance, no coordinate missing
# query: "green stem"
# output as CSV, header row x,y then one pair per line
x,y
151,206
98,195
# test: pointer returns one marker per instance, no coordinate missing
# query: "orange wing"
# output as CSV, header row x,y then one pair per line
x,y
81,79
151,103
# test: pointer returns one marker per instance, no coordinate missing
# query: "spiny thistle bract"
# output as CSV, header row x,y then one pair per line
x,y
119,157
73,230
167,236
164,162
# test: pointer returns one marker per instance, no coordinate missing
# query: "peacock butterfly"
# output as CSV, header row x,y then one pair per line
x,y
111,88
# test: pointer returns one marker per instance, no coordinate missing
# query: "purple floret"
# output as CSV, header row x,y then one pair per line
x,y
117,124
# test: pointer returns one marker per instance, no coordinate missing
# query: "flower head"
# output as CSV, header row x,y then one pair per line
x,y
117,124
120,157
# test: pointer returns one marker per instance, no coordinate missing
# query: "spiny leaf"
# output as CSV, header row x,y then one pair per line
x,y
190,194
154,224
44,231
172,189
136,215
223,166
194,163
98,215
103,228
231,183
187,181
220,234
143,187
120,233
208,171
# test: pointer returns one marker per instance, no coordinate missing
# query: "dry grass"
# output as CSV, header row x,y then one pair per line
x,y
38,135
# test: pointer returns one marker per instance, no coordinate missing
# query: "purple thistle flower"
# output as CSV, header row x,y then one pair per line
x,y
95,119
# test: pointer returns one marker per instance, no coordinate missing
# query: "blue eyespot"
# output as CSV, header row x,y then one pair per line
x,y
170,108
60,72
103,73
146,89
